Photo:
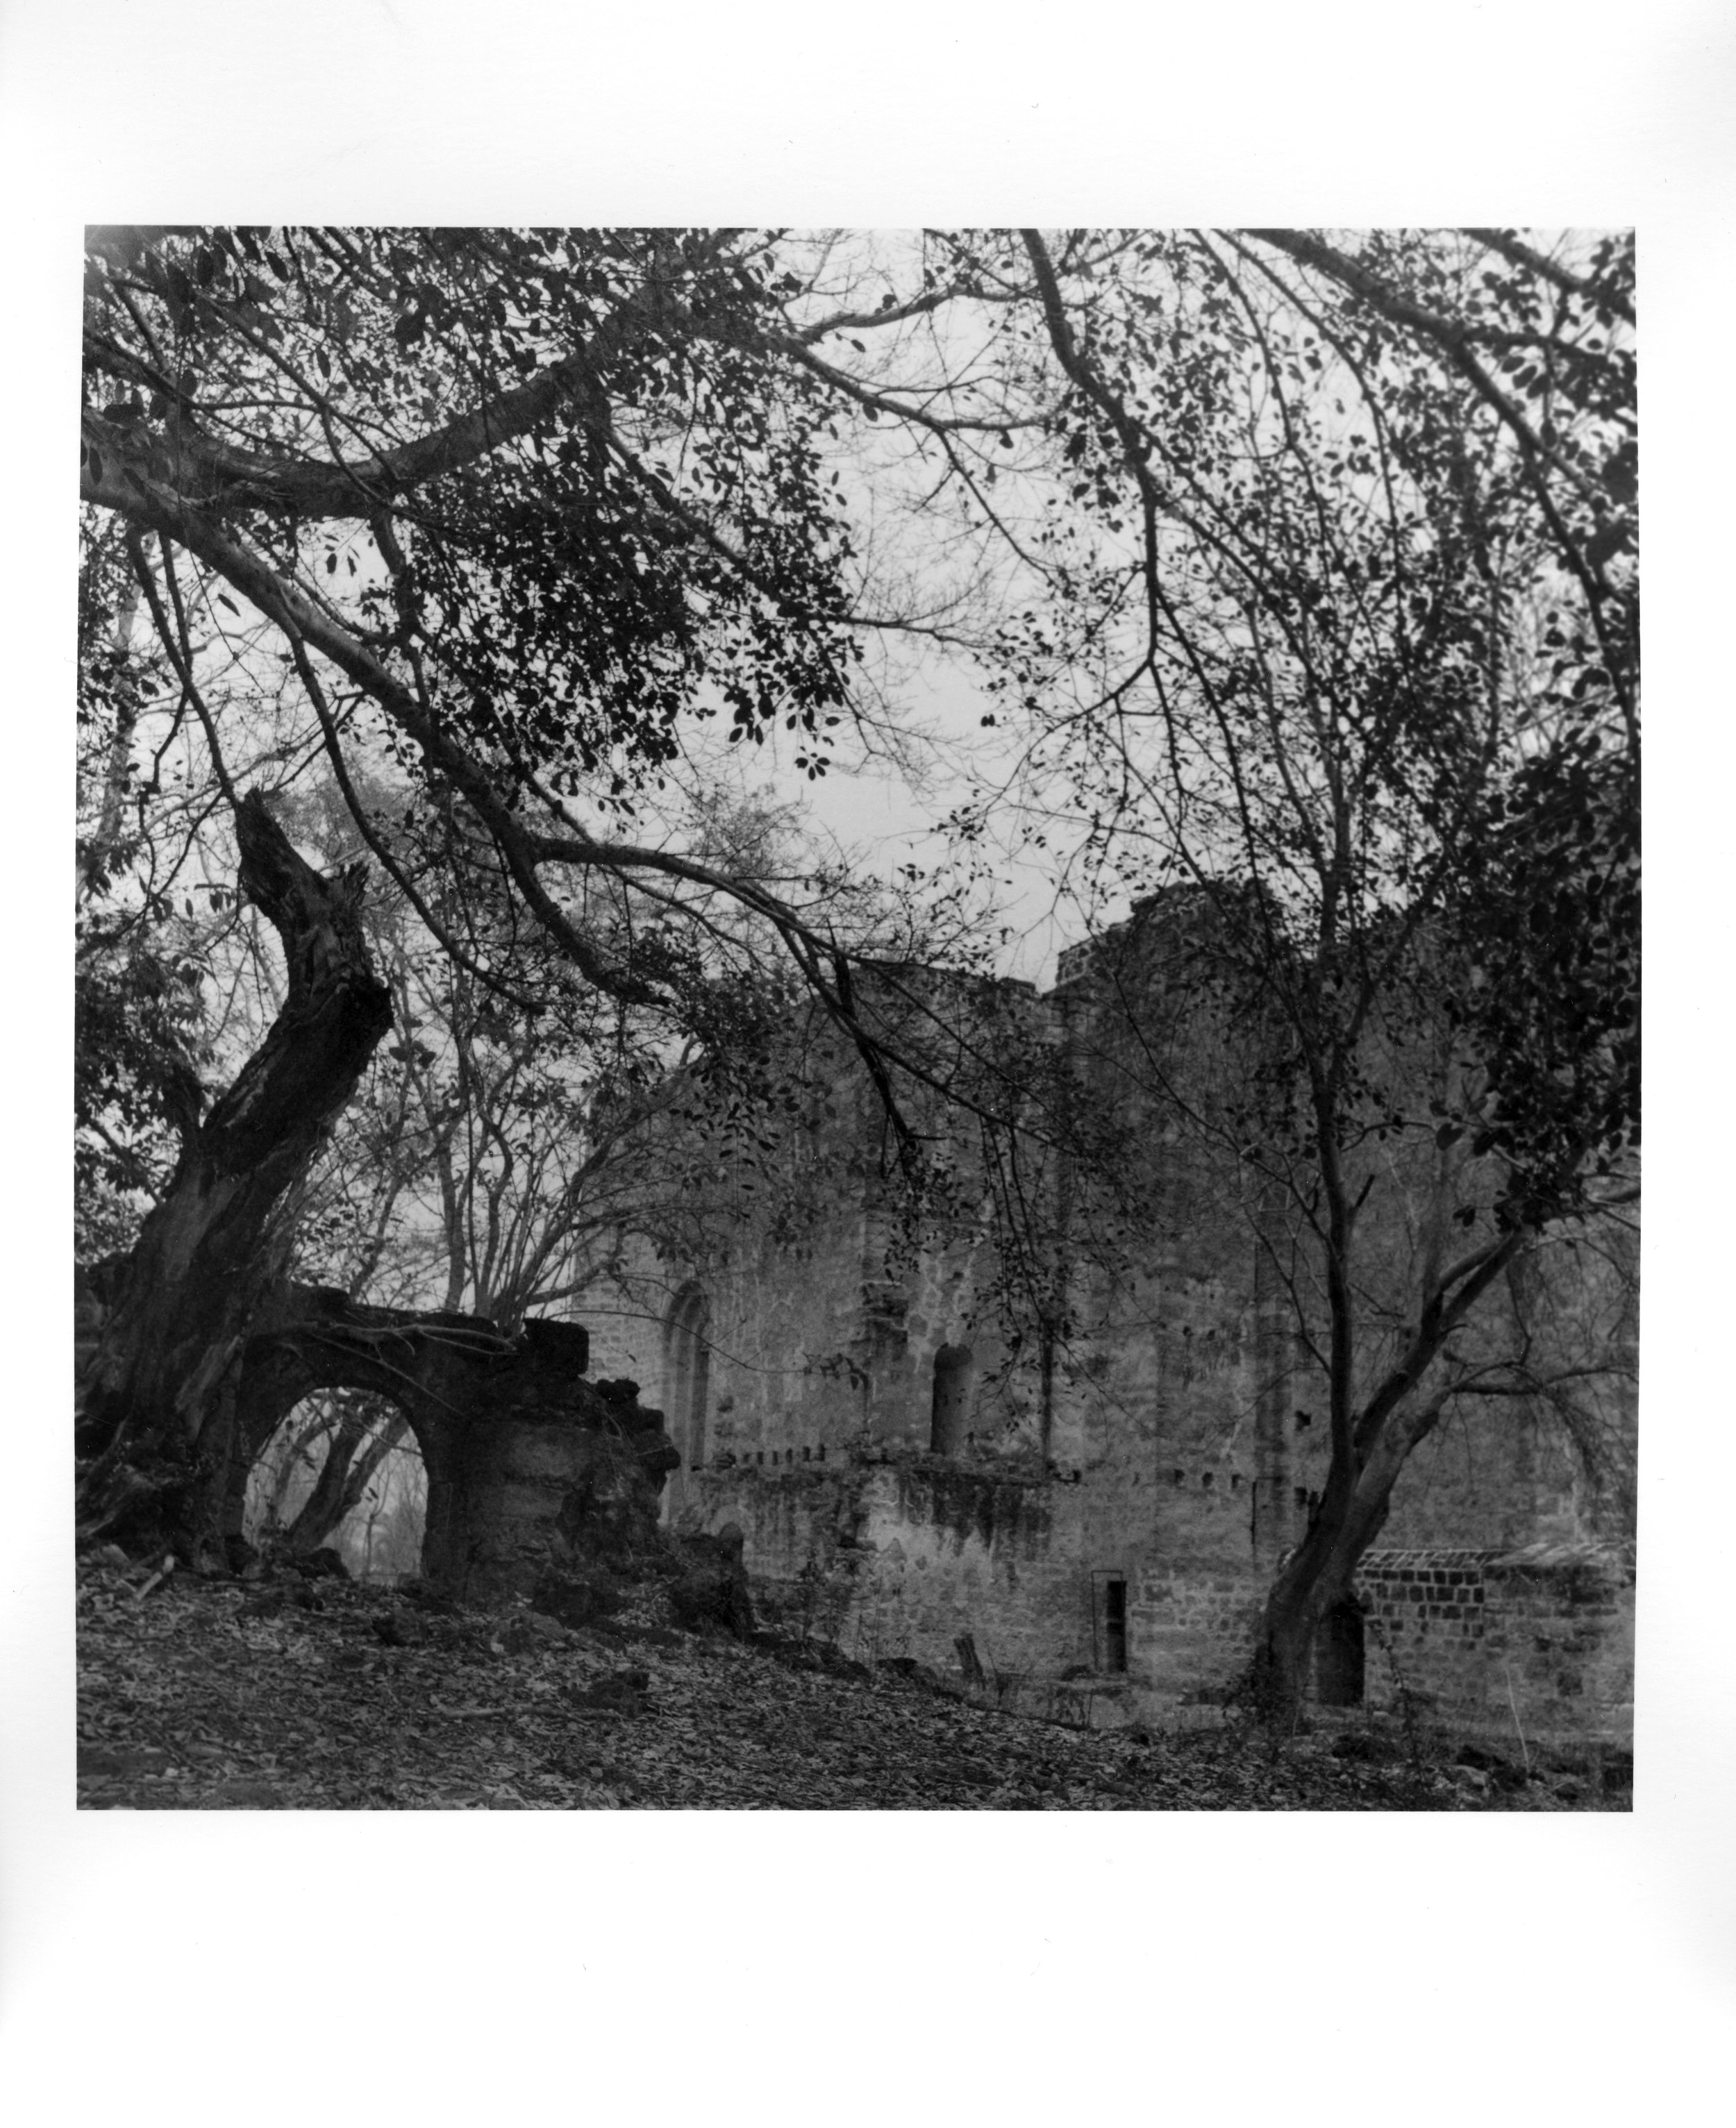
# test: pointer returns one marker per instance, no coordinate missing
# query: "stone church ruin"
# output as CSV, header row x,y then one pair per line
x,y
1086,1521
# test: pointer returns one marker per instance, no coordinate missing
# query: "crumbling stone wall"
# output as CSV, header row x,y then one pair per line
x,y
1538,1640
1194,1633
518,1496
1176,1442
532,1467
894,1558
902,1558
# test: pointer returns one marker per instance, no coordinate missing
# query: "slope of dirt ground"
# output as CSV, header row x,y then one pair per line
x,y
299,1693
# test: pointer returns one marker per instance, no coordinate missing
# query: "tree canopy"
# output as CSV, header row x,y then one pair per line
x,y
503,521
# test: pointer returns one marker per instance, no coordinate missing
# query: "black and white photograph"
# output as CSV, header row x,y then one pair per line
x,y
854,1023
857,1019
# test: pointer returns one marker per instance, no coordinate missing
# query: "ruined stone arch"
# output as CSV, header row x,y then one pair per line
x,y
531,1465
686,1371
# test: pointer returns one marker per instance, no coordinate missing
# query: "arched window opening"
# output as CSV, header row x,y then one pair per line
x,y
1338,1655
343,1472
687,1373
955,1376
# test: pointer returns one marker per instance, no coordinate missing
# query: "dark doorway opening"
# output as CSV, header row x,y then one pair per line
x,y
1338,1655
1115,1625
1109,1610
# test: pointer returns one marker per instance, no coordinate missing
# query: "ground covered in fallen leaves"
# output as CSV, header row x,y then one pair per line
x,y
297,1693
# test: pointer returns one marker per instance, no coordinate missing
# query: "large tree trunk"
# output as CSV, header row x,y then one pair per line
x,y
157,1435
1314,1578
1371,1447
1357,1497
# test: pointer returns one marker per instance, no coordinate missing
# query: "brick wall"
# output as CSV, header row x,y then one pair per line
x,y
1538,1640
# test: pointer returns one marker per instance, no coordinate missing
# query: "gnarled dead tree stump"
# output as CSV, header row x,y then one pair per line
x,y
155,1433
195,1347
